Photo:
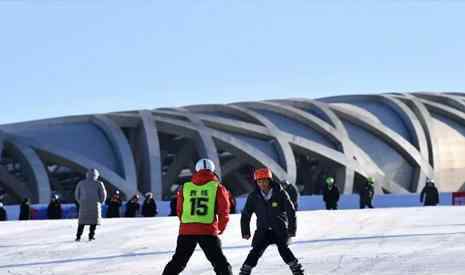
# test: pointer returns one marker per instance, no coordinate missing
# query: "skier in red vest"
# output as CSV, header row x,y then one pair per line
x,y
203,209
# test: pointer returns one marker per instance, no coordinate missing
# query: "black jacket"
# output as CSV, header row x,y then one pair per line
x,y
367,191
149,208
132,207
277,214
173,202
429,195
25,211
54,210
3,214
113,208
331,196
293,192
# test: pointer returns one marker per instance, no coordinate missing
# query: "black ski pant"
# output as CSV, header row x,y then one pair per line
x,y
81,230
262,244
331,205
211,246
367,203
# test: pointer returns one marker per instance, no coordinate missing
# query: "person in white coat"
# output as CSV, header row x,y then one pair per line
x,y
90,193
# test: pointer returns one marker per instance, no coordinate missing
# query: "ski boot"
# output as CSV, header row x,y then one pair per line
x,y
245,270
296,268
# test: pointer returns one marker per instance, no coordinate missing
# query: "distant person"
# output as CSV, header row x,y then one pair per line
x,y
429,195
232,203
114,205
292,191
330,194
132,207
3,213
173,199
25,210
149,207
90,193
172,207
54,210
203,210
367,192
276,222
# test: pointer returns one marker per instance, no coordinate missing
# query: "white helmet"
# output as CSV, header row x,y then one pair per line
x,y
205,164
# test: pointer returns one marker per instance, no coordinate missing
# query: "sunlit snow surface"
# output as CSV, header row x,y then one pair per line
x,y
376,241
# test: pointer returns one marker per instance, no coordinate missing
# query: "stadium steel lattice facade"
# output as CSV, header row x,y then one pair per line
x,y
399,139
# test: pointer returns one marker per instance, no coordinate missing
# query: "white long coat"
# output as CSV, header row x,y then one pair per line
x,y
90,195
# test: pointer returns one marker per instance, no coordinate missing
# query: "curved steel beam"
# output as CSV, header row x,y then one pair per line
x,y
208,145
260,131
120,145
351,150
237,146
391,137
36,174
18,189
211,109
424,118
77,161
418,133
204,143
152,162
336,131
282,147
449,100
182,159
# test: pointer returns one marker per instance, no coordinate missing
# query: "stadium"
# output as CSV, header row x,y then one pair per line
x,y
399,139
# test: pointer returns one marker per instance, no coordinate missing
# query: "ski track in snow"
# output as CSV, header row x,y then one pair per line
x,y
371,241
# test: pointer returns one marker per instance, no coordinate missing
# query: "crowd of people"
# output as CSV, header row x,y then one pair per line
x,y
134,207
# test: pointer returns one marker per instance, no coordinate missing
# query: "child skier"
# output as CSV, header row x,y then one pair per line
x,y
276,222
203,208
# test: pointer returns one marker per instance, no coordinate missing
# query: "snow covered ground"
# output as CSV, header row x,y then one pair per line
x,y
375,241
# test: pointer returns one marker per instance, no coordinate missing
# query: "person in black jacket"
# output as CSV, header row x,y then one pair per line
x,y
149,208
173,199
132,207
54,210
367,193
330,194
276,222
429,194
3,213
25,210
114,205
293,192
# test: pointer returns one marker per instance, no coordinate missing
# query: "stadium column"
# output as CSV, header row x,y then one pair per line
x,y
34,172
150,170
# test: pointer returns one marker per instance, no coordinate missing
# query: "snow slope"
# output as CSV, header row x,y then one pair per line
x,y
375,241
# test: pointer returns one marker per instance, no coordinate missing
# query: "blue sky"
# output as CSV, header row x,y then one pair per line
x,y
62,58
